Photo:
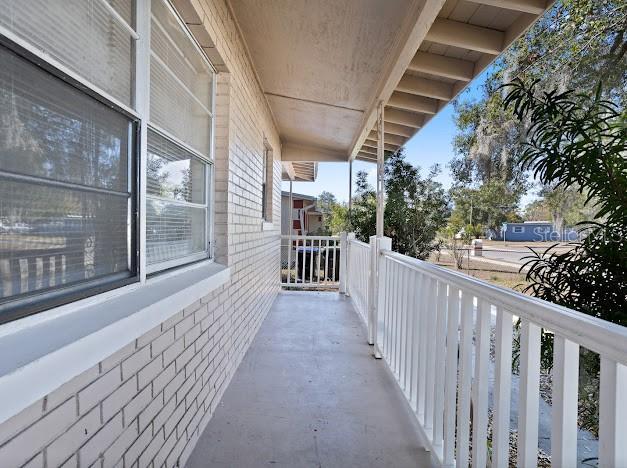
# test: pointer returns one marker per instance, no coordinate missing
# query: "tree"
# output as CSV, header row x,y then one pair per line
x,y
576,45
415,210
578,140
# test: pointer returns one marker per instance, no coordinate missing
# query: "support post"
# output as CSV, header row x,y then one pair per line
x,y
383,243
343,261
350,236
380,169
350,194
289,241
372,288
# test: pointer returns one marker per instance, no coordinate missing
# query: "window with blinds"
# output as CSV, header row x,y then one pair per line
x,y
179,145
66,188
90,37
181,82
176,204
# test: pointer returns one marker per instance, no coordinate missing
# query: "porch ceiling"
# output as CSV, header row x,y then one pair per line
x,y
325,65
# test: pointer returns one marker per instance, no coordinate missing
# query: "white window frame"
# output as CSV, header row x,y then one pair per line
x,y
144,12
518,229
140,110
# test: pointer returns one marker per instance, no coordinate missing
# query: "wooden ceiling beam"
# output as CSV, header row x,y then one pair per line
x,y
400,117
440,65
535,7
413,103
466,36
425,87
400,130
370,146
388,138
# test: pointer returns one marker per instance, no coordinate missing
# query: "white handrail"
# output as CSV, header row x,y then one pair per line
x,y
593,333
310,262
433,328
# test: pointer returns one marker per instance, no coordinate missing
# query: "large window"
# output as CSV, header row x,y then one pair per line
x,y
73,107
90,37
179,145
176,206
66,187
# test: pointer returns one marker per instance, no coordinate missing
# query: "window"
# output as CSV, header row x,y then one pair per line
x,y
518,229
70,148
179,146
67,188
266,184
176,205
90,37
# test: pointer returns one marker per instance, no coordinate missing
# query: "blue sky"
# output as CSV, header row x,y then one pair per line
x,y
433,144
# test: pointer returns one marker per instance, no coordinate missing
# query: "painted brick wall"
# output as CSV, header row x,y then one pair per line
x,y
146,405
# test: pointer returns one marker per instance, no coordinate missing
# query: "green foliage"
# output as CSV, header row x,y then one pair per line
x,y
576,139
576,45
416,208
489,205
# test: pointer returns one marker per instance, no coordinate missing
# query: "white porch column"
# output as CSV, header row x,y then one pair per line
x,y
289,230
382,243
380,170
350,194
343,262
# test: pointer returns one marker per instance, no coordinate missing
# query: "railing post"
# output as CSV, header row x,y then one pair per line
x,y
378,273
371,302
350,236
343,262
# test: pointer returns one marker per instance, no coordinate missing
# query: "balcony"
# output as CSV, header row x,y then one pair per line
x,y
311,391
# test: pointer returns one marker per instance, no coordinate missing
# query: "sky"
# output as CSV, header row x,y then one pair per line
x,y
433,144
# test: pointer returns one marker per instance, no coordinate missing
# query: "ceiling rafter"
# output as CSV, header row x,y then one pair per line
x,y
466,36
409,119
535,7
413,103
440,65
425,87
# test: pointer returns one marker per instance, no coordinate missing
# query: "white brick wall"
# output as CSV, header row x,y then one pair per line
x,y
146,405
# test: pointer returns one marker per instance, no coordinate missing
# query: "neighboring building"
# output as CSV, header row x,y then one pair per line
x,y
536,231
304,216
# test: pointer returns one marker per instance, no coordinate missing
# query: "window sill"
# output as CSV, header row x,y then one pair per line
x,y
63,346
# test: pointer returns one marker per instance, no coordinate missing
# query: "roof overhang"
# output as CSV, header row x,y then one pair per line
x,y
325,66
304,171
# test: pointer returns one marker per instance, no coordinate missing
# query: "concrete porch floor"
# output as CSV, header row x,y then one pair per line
x,y
309,394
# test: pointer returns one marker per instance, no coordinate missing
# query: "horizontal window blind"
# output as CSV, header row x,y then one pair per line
x,y
181,82
83,35
176,211
65,185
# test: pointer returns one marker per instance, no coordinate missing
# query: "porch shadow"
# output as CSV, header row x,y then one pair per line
x,y
309,394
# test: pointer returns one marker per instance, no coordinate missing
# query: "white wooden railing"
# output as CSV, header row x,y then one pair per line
x,y
312,262
359,258
433,329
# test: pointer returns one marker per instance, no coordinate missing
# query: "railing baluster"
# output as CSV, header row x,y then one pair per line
x,y
403,325
430,356
450,379
296,261
388,306
319,254
564,402
440,363
502,389
465,377
422,347
480,386
612,414
397,276
334,258
529,395
326,262
311,261
409,333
